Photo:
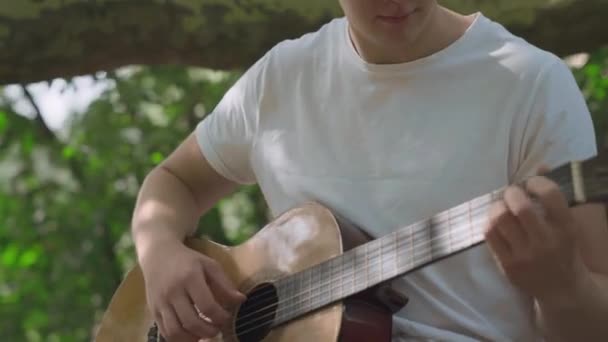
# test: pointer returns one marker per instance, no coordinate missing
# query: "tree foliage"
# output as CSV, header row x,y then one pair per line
x,y
66,196
44,39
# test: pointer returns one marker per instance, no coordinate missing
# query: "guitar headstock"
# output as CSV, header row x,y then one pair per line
x,y
584,181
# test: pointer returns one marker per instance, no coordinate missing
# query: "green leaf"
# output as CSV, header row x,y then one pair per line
x,y
27,142
156,158
172,111
3,121
600,93
9,297
68,152
593,70
29,257
604,83
36,319
10,254
95,163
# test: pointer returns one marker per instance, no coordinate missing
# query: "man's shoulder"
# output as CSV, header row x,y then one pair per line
x,y
309,47
515,52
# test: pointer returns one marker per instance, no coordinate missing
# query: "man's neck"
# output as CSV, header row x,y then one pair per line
x,y
443,28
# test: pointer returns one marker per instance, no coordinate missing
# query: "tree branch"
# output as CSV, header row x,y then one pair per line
x,y
83,37
38,119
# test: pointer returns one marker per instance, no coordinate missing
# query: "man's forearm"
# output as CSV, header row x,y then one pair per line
x,y
583,318
165,212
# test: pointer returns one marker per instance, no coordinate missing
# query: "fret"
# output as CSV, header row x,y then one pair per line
x,y
329,280
397,250
343,274
459,224
324,290
288,293
360,276
285,307
381,259
420,239
285,299
374,260
336,278
366,265
311,281
412,253
324,284
470,221
388,256
450,228
353,272
458,232
430,245
438,238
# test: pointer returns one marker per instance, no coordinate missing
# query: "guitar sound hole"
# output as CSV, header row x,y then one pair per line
x,y
154,335
256,315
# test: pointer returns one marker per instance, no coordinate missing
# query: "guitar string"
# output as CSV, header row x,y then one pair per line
x,y
425,255
472,211
269,317
563,180
418,234
419,231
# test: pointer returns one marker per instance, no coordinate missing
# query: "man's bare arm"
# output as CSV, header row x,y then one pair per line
x,y
181,284
584,316
173,197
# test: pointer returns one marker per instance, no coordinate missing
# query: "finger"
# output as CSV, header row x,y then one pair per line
x,y
526,213
550,196
190,320
502,219
498,245
174,332
158,319
543,169
206,302
222,286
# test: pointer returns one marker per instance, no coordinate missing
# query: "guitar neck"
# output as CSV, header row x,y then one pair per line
x,y
397,254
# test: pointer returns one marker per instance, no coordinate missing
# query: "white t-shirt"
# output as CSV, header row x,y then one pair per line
x,y
389,145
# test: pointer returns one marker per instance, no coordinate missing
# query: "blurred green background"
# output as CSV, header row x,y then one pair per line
x,y
67,192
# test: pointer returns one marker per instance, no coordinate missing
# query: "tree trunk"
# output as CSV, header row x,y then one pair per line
x,y
41,40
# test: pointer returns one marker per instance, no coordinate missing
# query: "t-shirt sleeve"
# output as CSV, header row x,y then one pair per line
x,y
558,129
226,135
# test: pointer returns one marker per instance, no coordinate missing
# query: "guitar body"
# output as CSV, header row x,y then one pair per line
x,y
296,240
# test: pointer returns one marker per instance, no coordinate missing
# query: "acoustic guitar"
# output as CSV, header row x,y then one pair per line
x,y
310,275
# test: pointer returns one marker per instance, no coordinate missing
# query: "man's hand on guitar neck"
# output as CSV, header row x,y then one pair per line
x,y
536,244
554,254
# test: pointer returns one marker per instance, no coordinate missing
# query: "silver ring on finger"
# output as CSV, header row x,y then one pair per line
x,y
202,315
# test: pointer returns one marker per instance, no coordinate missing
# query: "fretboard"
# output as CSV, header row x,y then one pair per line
x,y
393,255
388,257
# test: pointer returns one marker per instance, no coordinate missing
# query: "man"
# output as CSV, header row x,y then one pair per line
x,y
398,111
